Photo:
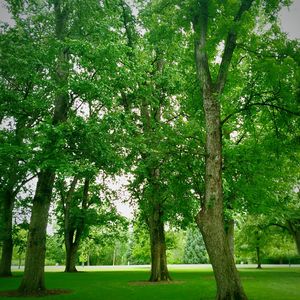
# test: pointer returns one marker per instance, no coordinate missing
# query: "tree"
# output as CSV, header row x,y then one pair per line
x,y
210,218
33,279
82,207
55,253
257,241
69,33
194,251
157,138
220,31
22,86
139,249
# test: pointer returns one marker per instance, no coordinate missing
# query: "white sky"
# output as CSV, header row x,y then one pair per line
x,y
290,20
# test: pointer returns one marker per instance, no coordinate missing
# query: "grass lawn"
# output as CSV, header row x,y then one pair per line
x,y
191,284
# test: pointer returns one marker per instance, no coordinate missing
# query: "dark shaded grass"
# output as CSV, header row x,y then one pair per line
x,y
191,284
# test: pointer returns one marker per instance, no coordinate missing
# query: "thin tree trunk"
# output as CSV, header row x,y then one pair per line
x,y
8,200
258,258
20,262
159,268
7,239
33,279
229,229
296,235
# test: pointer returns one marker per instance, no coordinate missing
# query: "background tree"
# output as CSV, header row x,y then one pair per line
x,y
194,251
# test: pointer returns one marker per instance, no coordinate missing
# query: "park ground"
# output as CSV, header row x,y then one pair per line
x,y
189,283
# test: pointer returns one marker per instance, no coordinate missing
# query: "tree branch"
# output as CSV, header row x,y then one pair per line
x,y
230,46
200,24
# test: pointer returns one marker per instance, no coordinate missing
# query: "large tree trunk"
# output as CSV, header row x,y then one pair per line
x,y
73,234
212,228
210,219
159,268
7,239
71,257
33,279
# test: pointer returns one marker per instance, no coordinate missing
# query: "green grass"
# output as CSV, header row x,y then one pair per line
x,y
281,284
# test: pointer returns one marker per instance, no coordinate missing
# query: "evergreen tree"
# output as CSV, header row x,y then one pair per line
x,y
194,251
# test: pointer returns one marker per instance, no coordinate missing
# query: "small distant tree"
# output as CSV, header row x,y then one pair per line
x,y
139,248
19,234
55,253
195,251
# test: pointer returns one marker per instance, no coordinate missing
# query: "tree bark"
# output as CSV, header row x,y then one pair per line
x,y
159,268
227,278
7,239
210,219
229,229
296,236
8,194
73,233
71,257
297,240
33,279
293,226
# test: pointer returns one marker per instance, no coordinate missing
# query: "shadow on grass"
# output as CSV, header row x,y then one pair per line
x,y
15,293
146,282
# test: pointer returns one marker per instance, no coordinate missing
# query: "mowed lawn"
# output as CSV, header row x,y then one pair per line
x,y
190,284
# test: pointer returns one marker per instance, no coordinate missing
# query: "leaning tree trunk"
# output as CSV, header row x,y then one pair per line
x,y
212,228
159,268
33,280
7,239
210,218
